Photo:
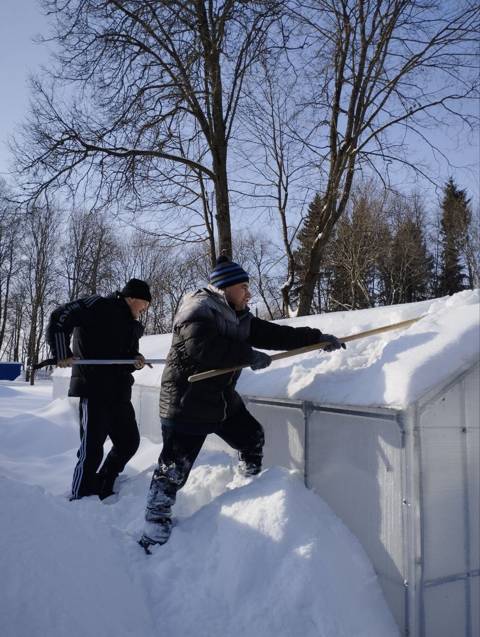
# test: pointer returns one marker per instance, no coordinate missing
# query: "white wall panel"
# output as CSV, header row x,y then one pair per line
x,y
475,606
445,410
472,441
443,502
145,401
472,398
355,464
284,435
60,386
445,610
473,452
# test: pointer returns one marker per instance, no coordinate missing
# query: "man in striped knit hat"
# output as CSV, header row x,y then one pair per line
x,y
213,328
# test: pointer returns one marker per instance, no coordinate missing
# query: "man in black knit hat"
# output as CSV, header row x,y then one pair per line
x,y
103,328
213,328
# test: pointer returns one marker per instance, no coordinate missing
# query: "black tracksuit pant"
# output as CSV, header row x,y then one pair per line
x,y
99,418
182,443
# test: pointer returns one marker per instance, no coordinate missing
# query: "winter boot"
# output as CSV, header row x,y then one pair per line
x,y
250,460
90,488
249,464
156,532
248,469
106,482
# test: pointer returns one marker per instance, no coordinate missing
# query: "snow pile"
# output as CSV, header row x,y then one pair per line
x,y
66,573
390,369
269,558
263,557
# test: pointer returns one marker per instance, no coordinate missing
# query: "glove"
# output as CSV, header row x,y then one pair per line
x,y
65,362
333,342
139,362
260,360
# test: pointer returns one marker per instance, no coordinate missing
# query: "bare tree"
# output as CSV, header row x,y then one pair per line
x,y
154,86
40,253
261,258
355,252
14,346
182,272
381,72
89,255
10,247
278,163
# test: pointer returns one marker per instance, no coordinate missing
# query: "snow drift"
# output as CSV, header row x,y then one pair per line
x,y
264,557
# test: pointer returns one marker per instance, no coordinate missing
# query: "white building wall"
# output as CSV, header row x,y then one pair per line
x,y
449,449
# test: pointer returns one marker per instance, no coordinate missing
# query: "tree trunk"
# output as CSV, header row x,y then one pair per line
x,y
32,342
222,204
208,218
307,290
17,335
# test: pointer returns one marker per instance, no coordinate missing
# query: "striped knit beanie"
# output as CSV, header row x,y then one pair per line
x,y
227,273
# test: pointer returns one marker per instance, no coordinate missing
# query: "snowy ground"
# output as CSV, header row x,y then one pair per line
x,y
262,557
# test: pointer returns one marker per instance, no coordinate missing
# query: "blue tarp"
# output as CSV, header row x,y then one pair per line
x,y
10,371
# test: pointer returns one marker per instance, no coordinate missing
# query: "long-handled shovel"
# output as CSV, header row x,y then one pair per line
x,y
309,348
101,361
96,361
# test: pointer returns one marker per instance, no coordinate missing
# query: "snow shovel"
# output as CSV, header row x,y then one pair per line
x,y
101,361
308,348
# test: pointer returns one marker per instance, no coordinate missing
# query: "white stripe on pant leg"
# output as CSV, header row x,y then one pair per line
x,y
78,473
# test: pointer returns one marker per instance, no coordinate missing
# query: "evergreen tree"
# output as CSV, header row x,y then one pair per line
x,y
405,265
454,224
354,254
306,238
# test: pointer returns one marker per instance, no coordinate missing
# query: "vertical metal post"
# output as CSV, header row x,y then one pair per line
x,y
412,522
466,513
307,409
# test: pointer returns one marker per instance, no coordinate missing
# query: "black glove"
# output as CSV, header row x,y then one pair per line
x,y
260,360
333,342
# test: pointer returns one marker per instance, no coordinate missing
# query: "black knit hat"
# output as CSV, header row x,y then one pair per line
x,y
137,289
227,273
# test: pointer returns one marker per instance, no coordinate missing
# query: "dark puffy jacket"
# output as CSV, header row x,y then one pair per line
x,y
209,334
102,328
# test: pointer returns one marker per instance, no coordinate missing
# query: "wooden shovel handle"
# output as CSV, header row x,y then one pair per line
x,y
308,348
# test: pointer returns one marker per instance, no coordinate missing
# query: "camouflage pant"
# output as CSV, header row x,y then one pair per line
x,y
181,447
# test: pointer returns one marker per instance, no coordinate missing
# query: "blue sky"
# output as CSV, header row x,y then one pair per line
x,y
21,20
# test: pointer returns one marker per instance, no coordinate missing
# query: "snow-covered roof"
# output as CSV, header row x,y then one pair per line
x,y
391,369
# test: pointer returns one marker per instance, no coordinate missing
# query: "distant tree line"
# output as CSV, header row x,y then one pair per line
x,y
194,111
384,251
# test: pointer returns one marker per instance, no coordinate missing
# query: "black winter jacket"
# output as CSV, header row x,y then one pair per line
x,y
208,334
102,328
